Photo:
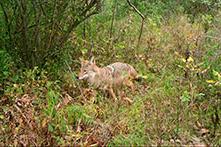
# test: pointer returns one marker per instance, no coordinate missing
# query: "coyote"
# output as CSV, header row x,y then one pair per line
x,y
109,78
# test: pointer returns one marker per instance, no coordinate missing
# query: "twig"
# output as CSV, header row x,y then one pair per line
x,y
142,23
113,18
25,118
135,9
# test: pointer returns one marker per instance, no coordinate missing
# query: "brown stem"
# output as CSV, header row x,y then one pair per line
x,y
112,20
24,33
70,29
142,23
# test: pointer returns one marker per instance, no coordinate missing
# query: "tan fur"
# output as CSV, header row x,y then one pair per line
x,y
108,78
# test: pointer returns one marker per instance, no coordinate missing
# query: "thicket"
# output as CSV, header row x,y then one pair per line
x,y
35,31
173,44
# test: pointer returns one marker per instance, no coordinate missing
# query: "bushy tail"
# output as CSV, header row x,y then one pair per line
x,y
139,78
135,75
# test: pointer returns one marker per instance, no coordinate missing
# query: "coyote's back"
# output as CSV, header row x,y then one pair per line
x,y
122,72
109,77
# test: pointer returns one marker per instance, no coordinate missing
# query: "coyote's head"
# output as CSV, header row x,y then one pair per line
x,y
88,70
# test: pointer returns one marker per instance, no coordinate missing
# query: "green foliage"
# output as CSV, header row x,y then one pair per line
x,y
52,101
177,102
64,119
135,139
195,7
185,98
37,31
5,64
76,113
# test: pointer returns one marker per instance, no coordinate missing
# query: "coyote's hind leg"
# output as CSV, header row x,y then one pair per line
x,y
111,92
130,84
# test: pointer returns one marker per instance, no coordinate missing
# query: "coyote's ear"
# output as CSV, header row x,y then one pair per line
x,y
92,60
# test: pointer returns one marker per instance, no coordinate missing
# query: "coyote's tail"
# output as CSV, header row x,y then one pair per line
x,y
135,75
139,78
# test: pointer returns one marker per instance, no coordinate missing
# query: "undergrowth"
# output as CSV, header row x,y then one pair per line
x,y
176,103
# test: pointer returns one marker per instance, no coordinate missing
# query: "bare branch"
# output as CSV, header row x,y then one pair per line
x,y
142,23
87,12
135,9
76,22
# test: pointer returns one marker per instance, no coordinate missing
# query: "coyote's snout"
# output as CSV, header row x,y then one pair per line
x,y
108,78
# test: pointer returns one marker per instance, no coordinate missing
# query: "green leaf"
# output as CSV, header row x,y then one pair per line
x,y
185,97
50,128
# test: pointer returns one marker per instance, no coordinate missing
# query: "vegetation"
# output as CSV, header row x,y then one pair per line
x,y
174,46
